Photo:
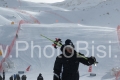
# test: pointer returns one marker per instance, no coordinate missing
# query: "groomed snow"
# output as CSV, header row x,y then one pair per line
x,y
97,22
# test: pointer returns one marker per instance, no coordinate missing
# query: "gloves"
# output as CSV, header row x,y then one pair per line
x,y
91,60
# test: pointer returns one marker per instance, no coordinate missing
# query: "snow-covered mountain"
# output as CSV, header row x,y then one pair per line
x,y
78,4
105,13
78,20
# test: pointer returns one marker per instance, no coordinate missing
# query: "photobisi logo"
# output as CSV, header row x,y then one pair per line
x,y
102,50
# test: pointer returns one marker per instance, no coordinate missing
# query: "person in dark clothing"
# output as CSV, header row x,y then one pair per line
x,y
40,77
3,75
0,77
14,76
17,76
68,65
11,78
24,77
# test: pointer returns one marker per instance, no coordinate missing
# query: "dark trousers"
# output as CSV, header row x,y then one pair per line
x,y
70,76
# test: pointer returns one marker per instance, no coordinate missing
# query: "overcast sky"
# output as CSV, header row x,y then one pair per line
x,y
45,1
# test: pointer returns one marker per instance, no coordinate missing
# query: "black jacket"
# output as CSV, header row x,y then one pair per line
x,y
39,77
68,66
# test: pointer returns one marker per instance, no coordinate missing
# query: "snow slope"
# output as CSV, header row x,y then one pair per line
x,y
104,14
4,20
45,1
78,4
97,23
74,32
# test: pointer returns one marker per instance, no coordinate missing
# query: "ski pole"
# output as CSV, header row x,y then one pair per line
x,y
61,45
52,40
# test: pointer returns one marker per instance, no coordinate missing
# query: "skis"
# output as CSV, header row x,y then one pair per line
x,y
57,43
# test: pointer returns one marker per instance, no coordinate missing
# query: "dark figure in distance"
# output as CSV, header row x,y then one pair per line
x,y
0,77
40,77
11,78
24,77
17,76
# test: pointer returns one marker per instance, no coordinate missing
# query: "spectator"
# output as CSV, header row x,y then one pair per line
x,y
40,77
